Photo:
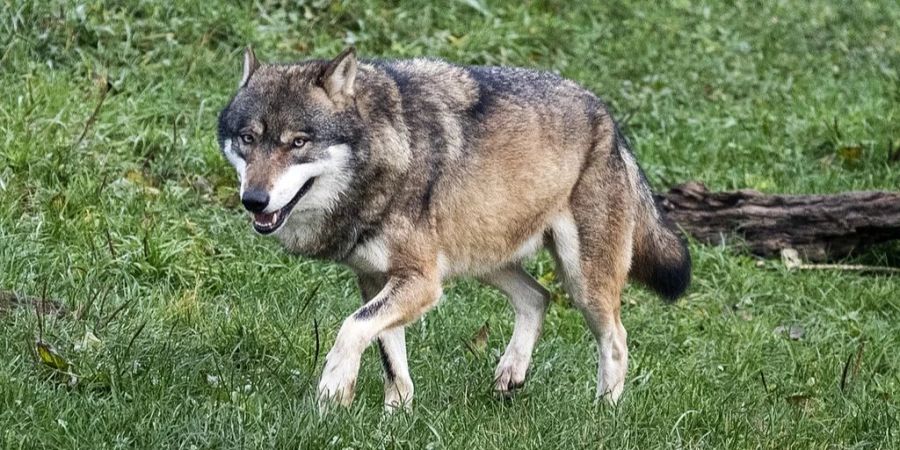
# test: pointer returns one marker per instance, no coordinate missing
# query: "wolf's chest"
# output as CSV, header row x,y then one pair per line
x,y
372,256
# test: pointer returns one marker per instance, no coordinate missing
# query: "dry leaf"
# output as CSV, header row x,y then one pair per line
x,y
790,258
850,153
479,341
50,357
138,178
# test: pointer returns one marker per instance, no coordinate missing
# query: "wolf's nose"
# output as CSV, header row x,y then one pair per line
x,y
255,200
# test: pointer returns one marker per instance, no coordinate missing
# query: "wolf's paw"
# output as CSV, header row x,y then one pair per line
x,y
398,395
611,384
610,394
510,374
338,382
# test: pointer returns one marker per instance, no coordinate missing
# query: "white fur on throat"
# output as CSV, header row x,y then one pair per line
x,y
373,256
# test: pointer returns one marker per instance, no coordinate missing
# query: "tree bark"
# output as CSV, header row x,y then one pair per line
x,y
819,227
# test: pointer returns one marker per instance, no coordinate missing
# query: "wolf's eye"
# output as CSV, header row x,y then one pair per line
x,y
247,139
298,142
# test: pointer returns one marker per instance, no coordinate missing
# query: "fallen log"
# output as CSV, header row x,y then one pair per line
x,y
819,227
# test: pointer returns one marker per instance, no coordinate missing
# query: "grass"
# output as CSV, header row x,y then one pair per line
x,y
206,335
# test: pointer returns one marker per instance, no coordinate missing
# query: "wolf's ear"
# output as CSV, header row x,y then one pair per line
x,y
250,66
340,75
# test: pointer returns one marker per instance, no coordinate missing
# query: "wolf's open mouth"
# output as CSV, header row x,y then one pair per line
x,y
266,223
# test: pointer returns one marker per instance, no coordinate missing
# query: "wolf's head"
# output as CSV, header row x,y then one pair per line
x,y
290,132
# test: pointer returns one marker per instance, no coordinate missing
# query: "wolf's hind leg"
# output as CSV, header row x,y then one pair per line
x,y
595,267
529,301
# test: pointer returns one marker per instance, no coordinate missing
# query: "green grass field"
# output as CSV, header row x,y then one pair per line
x,y
207,335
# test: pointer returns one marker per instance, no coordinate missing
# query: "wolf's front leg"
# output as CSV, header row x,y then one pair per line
x,y
398,386
404,298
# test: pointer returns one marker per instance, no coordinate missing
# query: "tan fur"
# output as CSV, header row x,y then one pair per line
x,y
514,196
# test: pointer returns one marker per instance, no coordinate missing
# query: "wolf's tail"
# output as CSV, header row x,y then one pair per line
x,y
660,259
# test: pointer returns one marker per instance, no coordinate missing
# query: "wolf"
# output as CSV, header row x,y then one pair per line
x,y
412,172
